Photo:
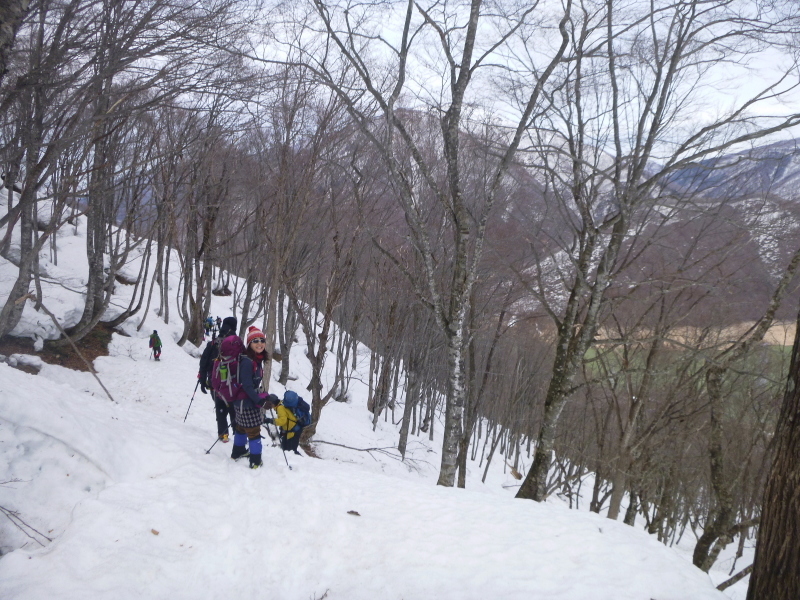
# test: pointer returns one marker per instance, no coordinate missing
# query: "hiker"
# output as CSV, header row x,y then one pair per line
x,y
155,344
209,325
221,407
293,417
249,408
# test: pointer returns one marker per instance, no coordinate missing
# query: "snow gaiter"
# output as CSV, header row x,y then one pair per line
x,y
239,445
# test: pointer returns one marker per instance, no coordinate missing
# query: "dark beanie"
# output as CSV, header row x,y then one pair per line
x,y
228,325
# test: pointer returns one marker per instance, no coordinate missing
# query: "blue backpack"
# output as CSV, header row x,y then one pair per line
x,y
303,413
300,409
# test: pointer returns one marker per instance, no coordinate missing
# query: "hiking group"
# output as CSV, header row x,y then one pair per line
x,y
211,326
233,370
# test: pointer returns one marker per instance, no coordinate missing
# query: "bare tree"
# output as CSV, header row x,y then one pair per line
x,y
87,66
386,108
609,173
316,281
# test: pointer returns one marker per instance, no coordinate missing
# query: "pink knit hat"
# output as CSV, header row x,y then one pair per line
x,y
252,333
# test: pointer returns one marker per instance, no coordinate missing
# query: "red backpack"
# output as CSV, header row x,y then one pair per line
x,y
225,370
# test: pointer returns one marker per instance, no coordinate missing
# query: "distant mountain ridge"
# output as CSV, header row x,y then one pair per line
x,y
772,170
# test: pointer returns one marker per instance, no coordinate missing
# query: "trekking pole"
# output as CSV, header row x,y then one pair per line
x,y
284,456
192,400
212,445
279,440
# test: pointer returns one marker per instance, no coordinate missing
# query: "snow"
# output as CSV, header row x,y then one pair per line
x,y
135,507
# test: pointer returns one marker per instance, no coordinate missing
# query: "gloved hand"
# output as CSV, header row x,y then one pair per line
x,y
203,387
268,401
268,421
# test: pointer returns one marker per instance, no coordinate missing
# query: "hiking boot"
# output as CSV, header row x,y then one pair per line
x,y
224,438
255,461
298,454
239,451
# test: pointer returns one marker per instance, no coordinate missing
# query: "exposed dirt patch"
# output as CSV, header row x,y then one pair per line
x,y
124,280
308,448
27,369
93,345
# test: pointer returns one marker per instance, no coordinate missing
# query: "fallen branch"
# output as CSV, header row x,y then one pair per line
x,y
74,347
410,462
735,579
351,448
367,450
20,524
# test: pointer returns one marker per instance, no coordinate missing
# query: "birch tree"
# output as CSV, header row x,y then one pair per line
x,y
439,64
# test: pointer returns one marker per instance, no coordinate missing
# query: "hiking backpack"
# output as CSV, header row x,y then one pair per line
x,y
225,370
303,413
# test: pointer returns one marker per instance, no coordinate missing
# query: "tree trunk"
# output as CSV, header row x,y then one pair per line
x,y
373,367
164,282
456,397
382,391
138,290
724,513
776,569
475,397
630,513
12,13
412,394
272,325
287,327
499,432
534,486
619,478
11,313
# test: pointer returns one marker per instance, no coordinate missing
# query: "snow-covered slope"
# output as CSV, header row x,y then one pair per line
x,y
126,502
137,509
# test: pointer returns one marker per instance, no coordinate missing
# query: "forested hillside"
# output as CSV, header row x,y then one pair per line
x,y
571,229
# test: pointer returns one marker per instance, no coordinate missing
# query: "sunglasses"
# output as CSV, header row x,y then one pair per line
x,y
258,341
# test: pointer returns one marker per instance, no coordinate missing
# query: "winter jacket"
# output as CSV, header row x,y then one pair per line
x,y
155,341
250,375
285,420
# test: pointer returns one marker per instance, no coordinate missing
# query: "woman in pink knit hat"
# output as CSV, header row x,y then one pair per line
x,y
249,410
